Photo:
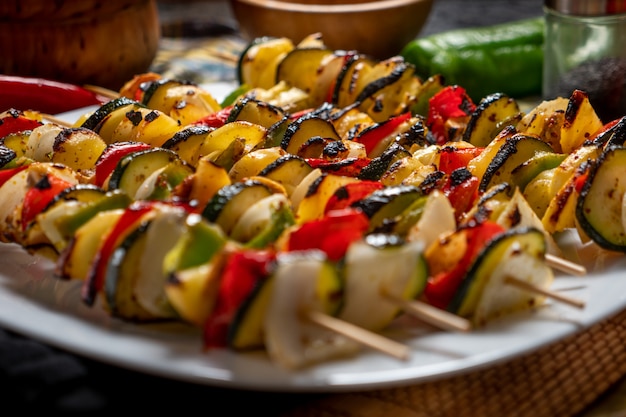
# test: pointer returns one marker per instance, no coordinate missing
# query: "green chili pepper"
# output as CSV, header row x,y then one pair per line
x,y
506,58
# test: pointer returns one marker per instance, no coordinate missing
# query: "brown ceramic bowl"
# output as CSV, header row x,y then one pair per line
x,y
100,42
379,28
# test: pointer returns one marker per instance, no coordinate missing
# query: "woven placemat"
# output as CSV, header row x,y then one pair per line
x,y
558,380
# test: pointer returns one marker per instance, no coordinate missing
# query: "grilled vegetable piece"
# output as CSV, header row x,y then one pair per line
x,y
74,207
140,124
255,111
186,143
288,170
167,226
515,150
132,217
346,90
75,260
238,320
383,206
134,169
193,266
389,89
183,101
484,294
219,140
313,205
303,282
102,114
600,208
26,192
580,122
123,268
489,118
301,68
301,131
379,268
258,62
231,202
264,221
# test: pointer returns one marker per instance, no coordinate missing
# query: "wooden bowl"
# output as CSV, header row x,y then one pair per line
x,y
379,28
100,42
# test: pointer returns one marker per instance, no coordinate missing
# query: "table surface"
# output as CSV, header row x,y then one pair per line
x,y
37,377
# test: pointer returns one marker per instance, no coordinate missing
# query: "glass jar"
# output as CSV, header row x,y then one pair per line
x,y
585,49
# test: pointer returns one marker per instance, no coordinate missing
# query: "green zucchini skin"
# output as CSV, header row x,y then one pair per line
x,y
379,165
601,201
516,150
383,206
486,120
529,240
98,116
506,58
231,201
121,275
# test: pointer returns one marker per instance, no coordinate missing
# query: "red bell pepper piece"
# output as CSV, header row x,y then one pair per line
x,y
217,119
7,174
350,193
240,276
26,93
451,158
38,197
372,136
440,288
451,102
108,159
332,234
14,121
349,167
461,188
95,278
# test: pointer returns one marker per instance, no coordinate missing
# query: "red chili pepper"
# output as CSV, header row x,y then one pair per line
x,y
451,102
95,278
332,234
108,159
349,167
38,197
7,174
372,136
47,96
242,271
440,288
350,193
451,158
14,121
217,119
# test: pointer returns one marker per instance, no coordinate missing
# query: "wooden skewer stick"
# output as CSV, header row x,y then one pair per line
x,y
565,265
105,92
55,120
432,315
358,334
524,285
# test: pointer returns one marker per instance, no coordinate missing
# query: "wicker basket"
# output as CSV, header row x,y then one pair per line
x,y
558,380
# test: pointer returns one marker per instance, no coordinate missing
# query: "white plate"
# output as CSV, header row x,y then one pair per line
x,y
34,303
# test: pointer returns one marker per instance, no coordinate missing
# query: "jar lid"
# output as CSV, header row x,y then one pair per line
x,y
587,7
